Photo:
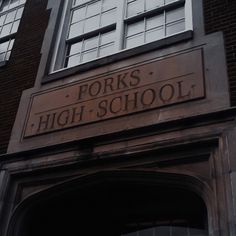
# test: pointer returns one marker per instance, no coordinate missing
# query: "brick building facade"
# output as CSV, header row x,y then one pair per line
x,y
127,125
20,72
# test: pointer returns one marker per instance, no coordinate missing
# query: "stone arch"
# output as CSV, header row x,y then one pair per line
x,y
82,186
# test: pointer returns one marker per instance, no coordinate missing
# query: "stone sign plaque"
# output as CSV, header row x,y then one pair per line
x,y
156,84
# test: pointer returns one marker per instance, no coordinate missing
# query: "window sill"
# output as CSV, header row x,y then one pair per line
x,y
119,56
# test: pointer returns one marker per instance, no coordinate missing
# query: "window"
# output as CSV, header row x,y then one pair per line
x,y
10,15
168,230
98,28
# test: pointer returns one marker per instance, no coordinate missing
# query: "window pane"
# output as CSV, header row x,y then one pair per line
x,y
92,23
9,23
197,232
174,15
75,48
19,13
15,26
8,55
76,29
155,34
135,40
163,231
108,18
2,19
3,47
155,21
179,231
93,9
73,60
91,43
108,4
170,1
175,27
135,28
6,30
89,55
135,7
5,50
10,17
106,50
78,14
14,3
79,2
4,6
168,231
11,44
150,4
107,38
2,57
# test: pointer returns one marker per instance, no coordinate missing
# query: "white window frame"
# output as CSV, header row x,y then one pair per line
x,y
11,36
59,55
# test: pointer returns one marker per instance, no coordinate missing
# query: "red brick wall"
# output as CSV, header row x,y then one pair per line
x,y
220,15
20,72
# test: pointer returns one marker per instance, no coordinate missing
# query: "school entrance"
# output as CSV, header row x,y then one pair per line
x,y
124,204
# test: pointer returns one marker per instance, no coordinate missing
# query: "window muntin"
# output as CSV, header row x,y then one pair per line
x,y
5,50
91,32
10,15
93,47
168,231
91,16
135,7
130,22
153,25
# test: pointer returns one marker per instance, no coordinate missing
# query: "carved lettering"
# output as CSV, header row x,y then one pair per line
x,y
167,93
102,108
77,114
135,75
63,117
43,122
121,81
144,87
182,92
60,119
82,91
95,88
108,86
128,102
148,97
116,105
131,101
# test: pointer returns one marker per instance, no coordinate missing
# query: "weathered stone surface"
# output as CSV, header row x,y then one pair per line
x,y
160,83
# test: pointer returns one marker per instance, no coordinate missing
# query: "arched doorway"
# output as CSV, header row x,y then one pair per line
x,y
127,204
